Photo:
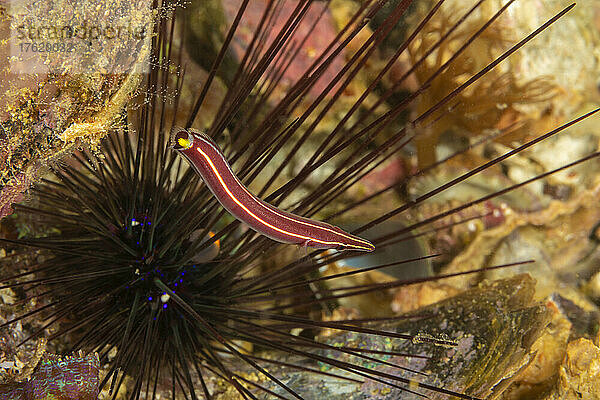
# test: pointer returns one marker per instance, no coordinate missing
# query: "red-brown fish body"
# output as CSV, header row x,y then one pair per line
x,y
208,160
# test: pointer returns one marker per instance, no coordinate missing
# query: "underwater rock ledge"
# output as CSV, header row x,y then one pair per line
x,y
494,325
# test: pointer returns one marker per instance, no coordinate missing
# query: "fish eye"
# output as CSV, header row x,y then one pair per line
x,y
182,140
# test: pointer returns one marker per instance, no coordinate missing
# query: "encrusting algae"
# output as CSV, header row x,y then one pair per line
x,y
58,377
489,105
53,103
